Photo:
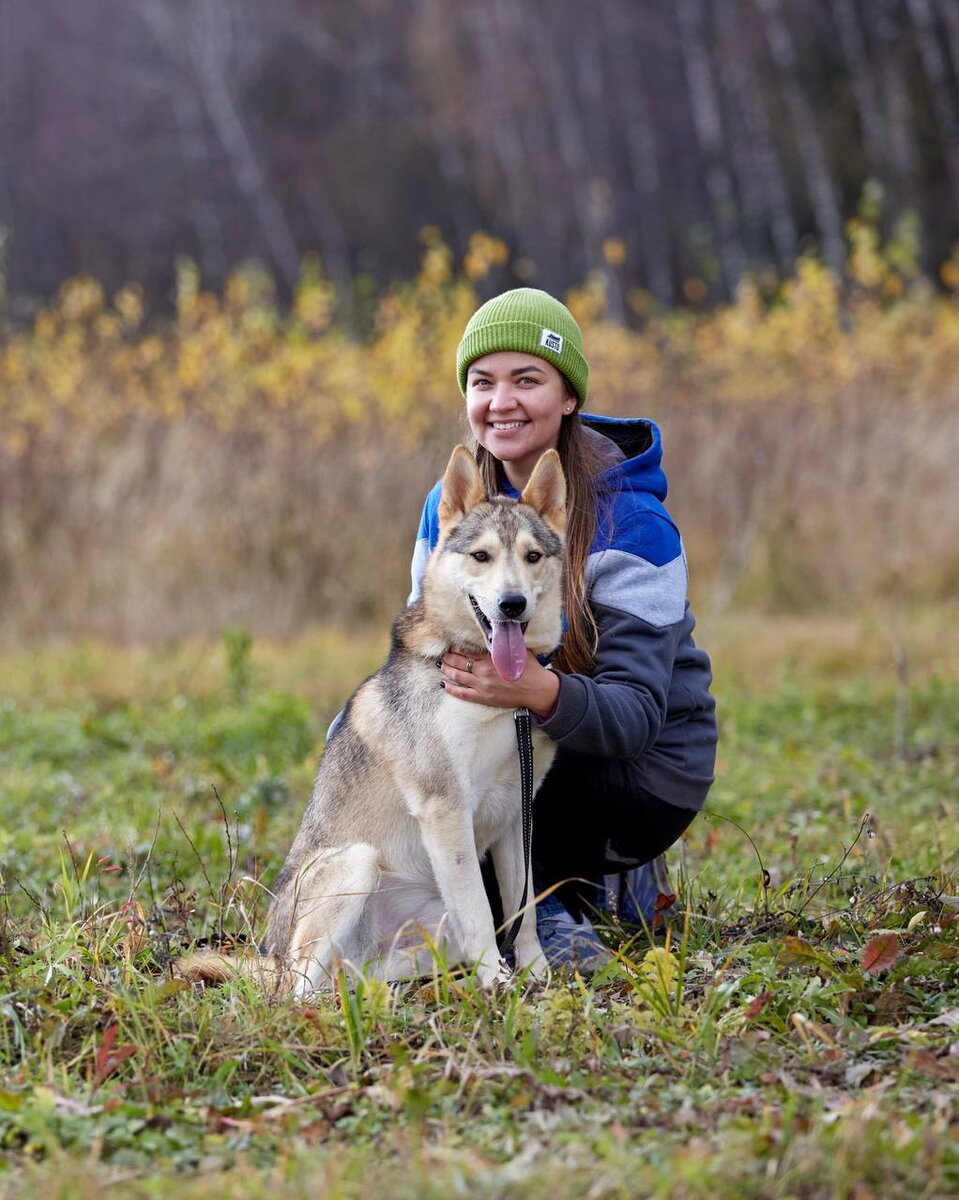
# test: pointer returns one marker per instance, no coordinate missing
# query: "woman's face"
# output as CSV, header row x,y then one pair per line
x,y
515,403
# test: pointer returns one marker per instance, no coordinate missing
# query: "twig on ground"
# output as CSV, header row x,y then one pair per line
x,y
763,873
837,868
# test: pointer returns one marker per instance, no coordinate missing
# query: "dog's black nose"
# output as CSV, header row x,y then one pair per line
x,y
512,605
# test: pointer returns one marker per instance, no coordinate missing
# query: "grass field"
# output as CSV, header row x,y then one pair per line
x,y
795,1033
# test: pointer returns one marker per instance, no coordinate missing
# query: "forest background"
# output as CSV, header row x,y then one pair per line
x,y
240,243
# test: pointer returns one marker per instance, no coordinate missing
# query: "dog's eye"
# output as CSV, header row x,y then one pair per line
x,y
480,555
534,556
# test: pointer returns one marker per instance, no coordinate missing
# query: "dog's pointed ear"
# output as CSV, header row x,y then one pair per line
x,y
462,487
546,491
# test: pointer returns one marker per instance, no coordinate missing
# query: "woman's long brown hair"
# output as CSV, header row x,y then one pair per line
x,y
580,465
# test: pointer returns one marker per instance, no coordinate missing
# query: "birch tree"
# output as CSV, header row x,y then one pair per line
x,y
936,73
820,183
706,108
198,37
856,56
763,186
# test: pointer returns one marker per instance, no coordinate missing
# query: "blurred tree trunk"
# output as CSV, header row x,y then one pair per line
x,y
543,55
937,79
198,40
209,48
204,215
515,173
707,121
589,75
640,142
8,218
762,182
949,11
902,145
438,67
820,184
846,19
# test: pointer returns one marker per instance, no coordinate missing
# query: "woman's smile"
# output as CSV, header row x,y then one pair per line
x,y
516,403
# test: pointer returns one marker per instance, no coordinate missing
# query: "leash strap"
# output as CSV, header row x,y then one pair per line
x,y
524,746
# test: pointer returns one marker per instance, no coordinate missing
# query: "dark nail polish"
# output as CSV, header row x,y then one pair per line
x,y
442,683
439,662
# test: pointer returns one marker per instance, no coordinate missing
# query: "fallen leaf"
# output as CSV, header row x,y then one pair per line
x,y
926,1063
664,900
169,987
796,952
109,1056
757,1004
881,953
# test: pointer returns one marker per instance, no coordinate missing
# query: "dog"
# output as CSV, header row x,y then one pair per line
x,y
415,786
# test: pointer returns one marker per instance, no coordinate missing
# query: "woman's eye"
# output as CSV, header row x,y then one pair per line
x,y
534,556
480,555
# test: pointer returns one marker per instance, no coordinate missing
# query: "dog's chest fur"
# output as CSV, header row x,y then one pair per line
x,y
481,744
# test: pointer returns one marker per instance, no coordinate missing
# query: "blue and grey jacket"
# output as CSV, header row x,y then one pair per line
x,y
648,696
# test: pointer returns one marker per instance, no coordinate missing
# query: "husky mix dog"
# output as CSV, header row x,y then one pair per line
x,y
415,785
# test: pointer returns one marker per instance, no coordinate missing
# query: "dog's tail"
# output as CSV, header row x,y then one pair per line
x,y
207,966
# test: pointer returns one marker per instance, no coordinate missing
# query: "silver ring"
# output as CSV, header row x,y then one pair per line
x,y
469,666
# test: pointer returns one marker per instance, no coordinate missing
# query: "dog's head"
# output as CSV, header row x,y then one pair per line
x,y
495,579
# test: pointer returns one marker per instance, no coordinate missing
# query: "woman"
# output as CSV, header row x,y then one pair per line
x,y
626,697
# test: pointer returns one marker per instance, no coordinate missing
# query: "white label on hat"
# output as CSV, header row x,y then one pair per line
x,y
552,341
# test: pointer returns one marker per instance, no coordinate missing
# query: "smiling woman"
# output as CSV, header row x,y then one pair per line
x,y
626,697
515,408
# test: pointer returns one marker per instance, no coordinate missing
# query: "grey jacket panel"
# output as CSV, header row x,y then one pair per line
x,y
648,699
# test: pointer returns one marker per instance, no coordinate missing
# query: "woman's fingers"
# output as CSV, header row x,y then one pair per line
x,y
469,663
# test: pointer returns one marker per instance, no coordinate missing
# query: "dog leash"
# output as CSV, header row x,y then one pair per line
x,y
524,746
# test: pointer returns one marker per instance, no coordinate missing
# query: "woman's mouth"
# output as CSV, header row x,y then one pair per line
x,y
506,426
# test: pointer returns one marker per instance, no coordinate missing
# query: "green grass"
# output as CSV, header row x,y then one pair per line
x,y
745,1051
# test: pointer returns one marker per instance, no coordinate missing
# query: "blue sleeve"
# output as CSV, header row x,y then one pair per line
x,y
426,538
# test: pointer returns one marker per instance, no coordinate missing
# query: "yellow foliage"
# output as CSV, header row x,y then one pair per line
x,y
484,253
240,362
659,973
614,252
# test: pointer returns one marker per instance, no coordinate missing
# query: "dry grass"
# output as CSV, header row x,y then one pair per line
x,y
246,464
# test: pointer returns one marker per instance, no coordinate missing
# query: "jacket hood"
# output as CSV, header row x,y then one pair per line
x,y
641,442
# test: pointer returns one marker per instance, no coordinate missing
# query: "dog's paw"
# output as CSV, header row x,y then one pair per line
x,y
533,969
493,975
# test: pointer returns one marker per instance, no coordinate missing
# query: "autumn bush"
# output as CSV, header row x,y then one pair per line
x,y
246,460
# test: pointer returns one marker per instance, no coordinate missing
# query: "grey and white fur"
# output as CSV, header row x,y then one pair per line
x,y
415,785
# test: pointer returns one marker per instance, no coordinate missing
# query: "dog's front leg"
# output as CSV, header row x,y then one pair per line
x,y
509,866
447,831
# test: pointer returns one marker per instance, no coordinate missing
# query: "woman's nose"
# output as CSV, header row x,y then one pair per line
x,y
502,398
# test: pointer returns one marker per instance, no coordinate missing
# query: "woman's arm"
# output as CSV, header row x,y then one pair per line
x,y
620,709
638,597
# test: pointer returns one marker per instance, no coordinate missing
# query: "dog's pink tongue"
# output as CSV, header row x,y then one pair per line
x,y
508,650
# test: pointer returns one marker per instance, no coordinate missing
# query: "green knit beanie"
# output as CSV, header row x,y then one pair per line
x,y
532,321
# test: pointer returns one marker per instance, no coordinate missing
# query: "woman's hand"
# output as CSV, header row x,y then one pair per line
x,y
474,678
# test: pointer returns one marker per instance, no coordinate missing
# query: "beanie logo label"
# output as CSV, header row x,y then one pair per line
x,y
552,341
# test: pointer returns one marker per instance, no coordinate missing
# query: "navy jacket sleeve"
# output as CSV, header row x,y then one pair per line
x,y
637,590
